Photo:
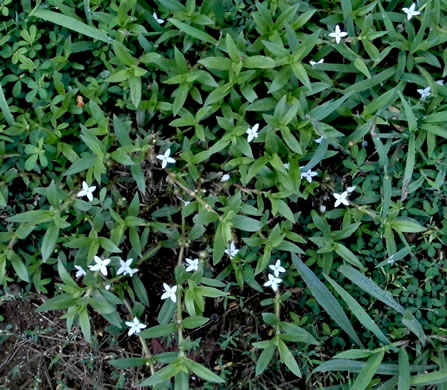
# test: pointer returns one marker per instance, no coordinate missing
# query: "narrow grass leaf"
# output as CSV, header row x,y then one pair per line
x,y
5,108
193,32
368,371
404,371
326,299
72,24
358,311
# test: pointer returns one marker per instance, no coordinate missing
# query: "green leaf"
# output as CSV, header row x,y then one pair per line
x,y
358,311
367,373
18,265
140,290
192,31
370,287
65,276
246,224
404,370
219,63
264,359
360,65
72,24
346,254
81,164
121,157
163,374
58,302
326,299
84,321
128,362
49,241
5,108
203,372
135,90
258,62
288,359
407,225
433,378
158,331
35,217
194,322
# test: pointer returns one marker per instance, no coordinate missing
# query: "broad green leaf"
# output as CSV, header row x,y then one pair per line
x,y
258,62
326,299
5,108
433,378
264,359
162,374
18,265
84,321
58,302
128,362
194,322
157,331
346,254
246,224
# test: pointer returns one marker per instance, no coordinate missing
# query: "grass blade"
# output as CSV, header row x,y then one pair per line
x,y
72,24
193,32
326,299
404,371
367,373
370,287
5,108
358,311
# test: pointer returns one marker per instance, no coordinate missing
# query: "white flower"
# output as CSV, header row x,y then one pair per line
x,y
159,21
341,198
338,34
350,189
277,268
286,165
169,292
87,191
125,268
232,251
252,132
425,93
308,175
193,265
440,82
411,11
80,271
107,287
313,63
101,265
225,177
135,326
322,208
273,282
318,140
165,159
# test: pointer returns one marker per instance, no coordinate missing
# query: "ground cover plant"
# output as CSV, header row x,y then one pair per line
x,y
223,194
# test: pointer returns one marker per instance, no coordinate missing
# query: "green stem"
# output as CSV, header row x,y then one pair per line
x,y
277,311
179,293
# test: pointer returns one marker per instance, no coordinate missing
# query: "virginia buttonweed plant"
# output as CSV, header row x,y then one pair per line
x,y
164,160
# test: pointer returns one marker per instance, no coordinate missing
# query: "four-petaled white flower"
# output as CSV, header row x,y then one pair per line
x,y
159,21
411,11
225,177
101,265
125,268
193,265
169,293
277,268
273,282
80,271
338,34
341,198
350,189
440,82
313,63
425,93
87,191
232,251
318,140
308,175
322,208
165,159
252,132
135,326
